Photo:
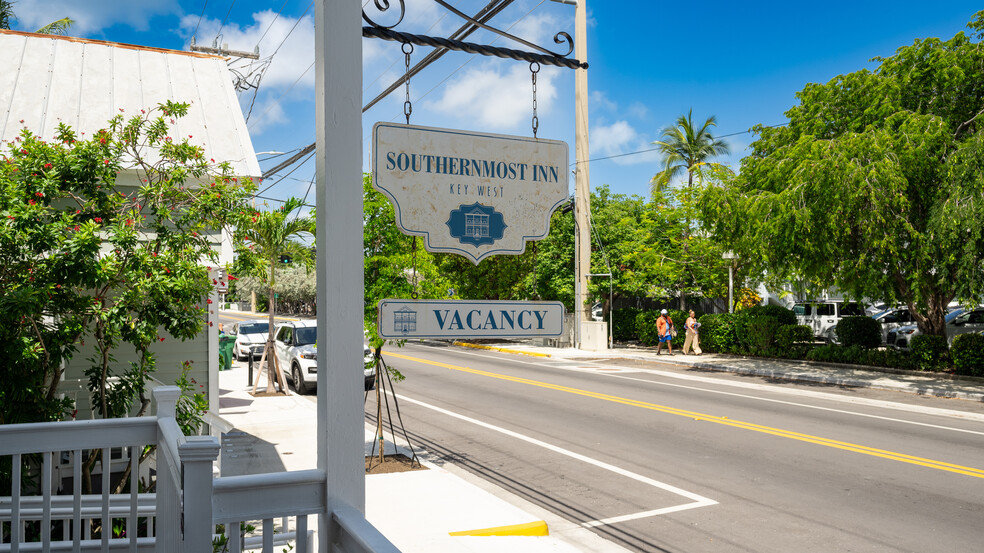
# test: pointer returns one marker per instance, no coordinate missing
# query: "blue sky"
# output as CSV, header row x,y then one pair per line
x,y
650,63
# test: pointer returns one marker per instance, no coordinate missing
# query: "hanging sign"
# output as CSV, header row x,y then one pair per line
x,y
399,319
467,193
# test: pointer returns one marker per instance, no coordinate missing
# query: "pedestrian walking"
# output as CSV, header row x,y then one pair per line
x,y
693,335
665,330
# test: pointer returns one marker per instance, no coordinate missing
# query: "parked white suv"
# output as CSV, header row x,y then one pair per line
x,y
251,337
822,316
295,343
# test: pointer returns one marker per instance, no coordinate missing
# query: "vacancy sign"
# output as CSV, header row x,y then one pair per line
x,y
399,319
467,193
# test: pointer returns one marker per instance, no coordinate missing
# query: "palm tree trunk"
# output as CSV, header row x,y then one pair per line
x,y
271,350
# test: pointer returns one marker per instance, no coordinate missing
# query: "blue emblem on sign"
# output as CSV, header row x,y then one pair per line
x,y
476,224
405,321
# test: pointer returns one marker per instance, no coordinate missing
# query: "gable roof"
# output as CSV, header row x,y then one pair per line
x,y
84,83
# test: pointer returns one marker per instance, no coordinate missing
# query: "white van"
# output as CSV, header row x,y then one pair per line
x,y
822,316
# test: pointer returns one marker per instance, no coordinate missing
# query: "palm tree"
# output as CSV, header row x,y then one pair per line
x,y
685,147
58,27
273,234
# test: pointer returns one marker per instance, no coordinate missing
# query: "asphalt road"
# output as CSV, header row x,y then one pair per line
x,y
715,463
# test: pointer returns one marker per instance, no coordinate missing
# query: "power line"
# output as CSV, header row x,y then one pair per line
x,y
281,97
200,19
226,18
270,26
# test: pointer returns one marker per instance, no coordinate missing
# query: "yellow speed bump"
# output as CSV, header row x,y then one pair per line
x,y
538,528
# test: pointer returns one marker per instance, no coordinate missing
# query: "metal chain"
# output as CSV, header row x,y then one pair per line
x,y
413,253
407,106
536,120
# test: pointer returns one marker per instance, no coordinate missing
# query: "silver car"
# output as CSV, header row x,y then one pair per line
x,y
958,321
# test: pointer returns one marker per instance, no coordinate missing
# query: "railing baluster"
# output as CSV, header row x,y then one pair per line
x,y
301,531
107,522
77,501
235,537
46,500
15,496
268,535
133,523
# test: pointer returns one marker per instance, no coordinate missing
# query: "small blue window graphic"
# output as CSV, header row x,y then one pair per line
x,y
405,320
476,224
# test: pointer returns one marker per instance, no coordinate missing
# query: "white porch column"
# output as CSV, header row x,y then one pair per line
x,y
338,62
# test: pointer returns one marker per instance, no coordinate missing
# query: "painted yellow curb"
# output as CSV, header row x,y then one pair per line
x,y
538,528
503,350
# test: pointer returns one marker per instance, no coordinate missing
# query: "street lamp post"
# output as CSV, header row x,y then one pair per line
x,y
730,256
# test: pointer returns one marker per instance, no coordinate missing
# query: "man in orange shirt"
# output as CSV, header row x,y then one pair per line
x,y
664,328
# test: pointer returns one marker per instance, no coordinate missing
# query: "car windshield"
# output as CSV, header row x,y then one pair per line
x,y
953,315
305,335
254,328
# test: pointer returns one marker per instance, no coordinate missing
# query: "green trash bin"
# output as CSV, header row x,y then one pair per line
x,y
226,345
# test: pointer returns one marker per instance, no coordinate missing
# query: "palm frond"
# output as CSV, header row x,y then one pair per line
x,y
59,27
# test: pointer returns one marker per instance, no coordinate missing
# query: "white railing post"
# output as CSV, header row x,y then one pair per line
x,y
198,453
167,400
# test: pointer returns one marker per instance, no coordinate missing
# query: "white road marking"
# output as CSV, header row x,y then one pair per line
x,y
697,500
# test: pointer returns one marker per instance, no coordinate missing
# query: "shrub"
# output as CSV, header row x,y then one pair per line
x,y
861,331
968,354
929,352
887,358
645,324
718,333
777,312
624,326
761,333
834,353
793,340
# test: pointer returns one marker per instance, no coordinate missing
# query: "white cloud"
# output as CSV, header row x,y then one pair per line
x,y
600,101
91,16
620,138
496,98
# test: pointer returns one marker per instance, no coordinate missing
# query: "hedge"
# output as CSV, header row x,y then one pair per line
x,y
624,327
968,354
929,352
859,331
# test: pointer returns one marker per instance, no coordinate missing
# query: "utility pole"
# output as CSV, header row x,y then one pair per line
x,y
582,188
225,51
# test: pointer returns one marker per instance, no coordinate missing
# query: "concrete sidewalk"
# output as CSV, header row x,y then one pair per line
x,y
418,510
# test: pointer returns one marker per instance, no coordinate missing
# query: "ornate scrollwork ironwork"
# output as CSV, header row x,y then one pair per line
x,y
383,6
545,56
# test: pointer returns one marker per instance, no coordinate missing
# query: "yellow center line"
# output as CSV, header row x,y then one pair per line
x,y
846,446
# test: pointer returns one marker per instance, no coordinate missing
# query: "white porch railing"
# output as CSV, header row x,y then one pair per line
x,y
183,513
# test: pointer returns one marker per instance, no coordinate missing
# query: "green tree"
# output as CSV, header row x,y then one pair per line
x,y
395,265
84,257
875,185
685,147
262,238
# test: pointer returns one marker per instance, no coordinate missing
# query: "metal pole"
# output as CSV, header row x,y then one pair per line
x,y
338,103
582,190
731,284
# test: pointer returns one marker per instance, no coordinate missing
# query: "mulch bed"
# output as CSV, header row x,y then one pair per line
x,y
391,464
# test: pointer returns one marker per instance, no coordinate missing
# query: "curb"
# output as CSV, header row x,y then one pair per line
x,y
538,528
503,350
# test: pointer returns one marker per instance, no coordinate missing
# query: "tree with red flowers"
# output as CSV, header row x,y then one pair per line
x,y
102,244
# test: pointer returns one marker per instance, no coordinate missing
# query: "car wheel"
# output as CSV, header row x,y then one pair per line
x,y
295,374
370,381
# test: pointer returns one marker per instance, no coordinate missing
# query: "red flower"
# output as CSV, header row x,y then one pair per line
x,y
98,219
162,338
47,166
106,162
32,202
208,302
